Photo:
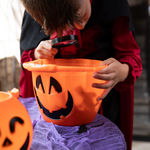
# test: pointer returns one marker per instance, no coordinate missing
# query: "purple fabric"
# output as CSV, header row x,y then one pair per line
x,y
101,134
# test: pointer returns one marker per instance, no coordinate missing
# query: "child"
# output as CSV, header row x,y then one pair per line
x,y
107,34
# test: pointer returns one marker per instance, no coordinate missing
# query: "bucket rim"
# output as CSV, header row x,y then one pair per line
x,y
44,65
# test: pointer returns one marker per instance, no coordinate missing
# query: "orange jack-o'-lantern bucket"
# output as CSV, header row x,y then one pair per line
x,y
15,125
63,89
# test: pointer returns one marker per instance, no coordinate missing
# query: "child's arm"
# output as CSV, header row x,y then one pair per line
x,y
114,73
122,70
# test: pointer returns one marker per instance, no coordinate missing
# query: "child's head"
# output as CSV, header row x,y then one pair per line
x,y
56,15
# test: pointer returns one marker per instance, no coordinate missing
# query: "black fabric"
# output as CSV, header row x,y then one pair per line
x,y
111,106
104,13
31,33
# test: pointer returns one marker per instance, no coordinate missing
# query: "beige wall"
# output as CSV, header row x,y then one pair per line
x,y
11,12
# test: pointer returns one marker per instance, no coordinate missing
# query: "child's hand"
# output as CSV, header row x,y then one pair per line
x,y
115,72
45,51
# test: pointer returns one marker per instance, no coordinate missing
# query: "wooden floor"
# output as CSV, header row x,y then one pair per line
x,y
141,110
140,145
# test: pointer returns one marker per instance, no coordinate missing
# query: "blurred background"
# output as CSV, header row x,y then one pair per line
x,y
11,13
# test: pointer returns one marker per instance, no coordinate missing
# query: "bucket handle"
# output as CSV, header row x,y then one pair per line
x,y
14,92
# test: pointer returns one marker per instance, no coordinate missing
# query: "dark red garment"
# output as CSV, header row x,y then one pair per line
x,y
26,88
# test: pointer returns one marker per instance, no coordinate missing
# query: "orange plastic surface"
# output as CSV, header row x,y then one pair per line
x,y
14,92
15,125
75,77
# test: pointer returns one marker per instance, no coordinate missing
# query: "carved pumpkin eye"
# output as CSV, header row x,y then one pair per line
x,y
54,82
12,123
39,82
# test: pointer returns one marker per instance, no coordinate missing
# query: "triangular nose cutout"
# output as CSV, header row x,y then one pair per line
x,y
53,90
7,142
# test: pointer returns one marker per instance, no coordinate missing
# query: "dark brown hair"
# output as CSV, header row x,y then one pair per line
x,y
54,15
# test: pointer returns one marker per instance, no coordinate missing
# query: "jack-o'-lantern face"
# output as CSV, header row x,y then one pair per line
x,y
63,89
56,104
15,124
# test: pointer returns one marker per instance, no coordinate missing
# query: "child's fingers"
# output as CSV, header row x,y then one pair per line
x,y
45,56
106,70
43,51
107,61
105,77
54,50
106,85
46,45
103,95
